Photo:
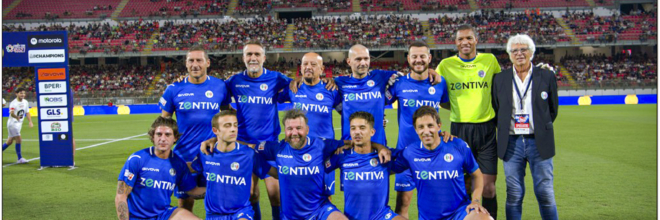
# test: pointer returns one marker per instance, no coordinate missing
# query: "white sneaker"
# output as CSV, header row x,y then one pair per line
x,y
22,160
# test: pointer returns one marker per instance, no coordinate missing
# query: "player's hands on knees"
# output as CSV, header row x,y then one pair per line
x,y
295,84
475,206
330,84
207,146
446,136
434,77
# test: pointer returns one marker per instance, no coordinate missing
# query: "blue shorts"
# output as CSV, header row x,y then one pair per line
x,y
329,183
246,213
162,216
459,214
403,182
321,214
386,214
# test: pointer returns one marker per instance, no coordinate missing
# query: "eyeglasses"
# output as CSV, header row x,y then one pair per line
x,y
522,50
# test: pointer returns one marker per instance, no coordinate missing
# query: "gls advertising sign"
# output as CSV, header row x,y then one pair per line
x,y
45,41
52,87
53,113
52,100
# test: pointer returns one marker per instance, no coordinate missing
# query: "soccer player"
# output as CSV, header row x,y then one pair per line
x,y
469,77
413,91
318,102
299,160
150,176
228,171
438,168
195,100
19,108
366,181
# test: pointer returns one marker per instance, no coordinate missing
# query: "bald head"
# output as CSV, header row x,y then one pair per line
x,y
311,66
359,60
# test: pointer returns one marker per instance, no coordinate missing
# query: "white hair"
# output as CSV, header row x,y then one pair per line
x,y
521,39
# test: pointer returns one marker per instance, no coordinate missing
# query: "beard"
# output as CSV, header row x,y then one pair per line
x,y
309,80
426,67
295,144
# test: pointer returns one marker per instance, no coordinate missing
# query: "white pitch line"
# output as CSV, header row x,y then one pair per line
x,y
90,146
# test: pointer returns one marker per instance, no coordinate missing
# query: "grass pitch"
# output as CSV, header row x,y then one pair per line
x,y
605,167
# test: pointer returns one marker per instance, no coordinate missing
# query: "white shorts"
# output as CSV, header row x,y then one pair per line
x,y
14,129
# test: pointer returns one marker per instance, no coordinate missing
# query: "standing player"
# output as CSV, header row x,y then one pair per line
x,y
150,176
366,181
438,169
469,77
413,91
228,171
18,110
299,161
318,102
195,100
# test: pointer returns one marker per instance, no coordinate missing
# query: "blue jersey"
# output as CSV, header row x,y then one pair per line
x,y
256,104
229,177
317,103
366,183
195,105
301,174
366,94
153,180
438,175
412,94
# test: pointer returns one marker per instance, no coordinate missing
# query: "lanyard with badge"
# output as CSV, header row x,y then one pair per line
x,y
521,118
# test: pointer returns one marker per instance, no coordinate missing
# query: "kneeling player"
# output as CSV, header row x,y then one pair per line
x,y
228,171
149,177
366,181
438,168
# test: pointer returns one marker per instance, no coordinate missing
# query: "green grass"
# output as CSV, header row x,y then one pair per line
x,y
605,168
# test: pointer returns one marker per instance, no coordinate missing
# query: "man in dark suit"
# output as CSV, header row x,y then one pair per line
x,y
525,102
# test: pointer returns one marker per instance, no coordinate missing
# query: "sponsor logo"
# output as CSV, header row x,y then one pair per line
x,y
157,184
209,94
328,164
307,157
300,96
402,184
52,87
298,171
285,156
15,48
422,159
51,74
47,137
431,90
55,126
185,94
225,179
319,96
409,90
437,175
351,165
468,66
128,174
468,85
373,162
371,83
149,169
53,100
162,101
311,107
349,87
544,95
212,163
263,87
45,41
62,137
53,113
362,96
419,103
262,146
449,158
234,166
364,175
255,99
46,56
199,105
242,86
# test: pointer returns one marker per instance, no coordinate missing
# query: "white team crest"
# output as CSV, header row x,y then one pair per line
x,y
263,87
544,95
307,157
449,158
327,164
388,215
261,146
209,94
431,90
319,96
371,83
234,166
373,162
172,172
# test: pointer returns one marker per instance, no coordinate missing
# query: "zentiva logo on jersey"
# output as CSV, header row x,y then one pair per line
x,y
436,175
362,96
311,107
199,105
226,179
358,176
468,85
157,184
298,171
255,99
419,103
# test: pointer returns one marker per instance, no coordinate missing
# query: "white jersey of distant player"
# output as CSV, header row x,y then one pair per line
x,y
20,108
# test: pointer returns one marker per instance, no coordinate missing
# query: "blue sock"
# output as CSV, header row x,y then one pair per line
x,y
257,211
18,150
276,212
4,146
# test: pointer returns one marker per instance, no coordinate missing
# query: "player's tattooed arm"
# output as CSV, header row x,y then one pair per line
x,y
197,193
120,200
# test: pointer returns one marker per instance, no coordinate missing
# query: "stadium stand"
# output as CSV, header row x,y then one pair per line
x,y
166,8
65,9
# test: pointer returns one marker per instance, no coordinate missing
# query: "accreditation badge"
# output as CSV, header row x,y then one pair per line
x,y
521,123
